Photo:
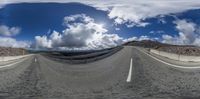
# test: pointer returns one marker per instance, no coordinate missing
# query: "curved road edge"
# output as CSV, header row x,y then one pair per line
x,y
167,63
13,61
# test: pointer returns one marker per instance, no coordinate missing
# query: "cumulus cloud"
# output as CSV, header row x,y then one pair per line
x,y
135,12
81,33
68,20
7,41
9,31
42,41
11,42
189,34
130,12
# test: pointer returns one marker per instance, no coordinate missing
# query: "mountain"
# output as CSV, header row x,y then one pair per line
x,y
146,44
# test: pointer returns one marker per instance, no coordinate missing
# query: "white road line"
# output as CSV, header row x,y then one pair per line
x,y
12,64
173,65
130,71
35,60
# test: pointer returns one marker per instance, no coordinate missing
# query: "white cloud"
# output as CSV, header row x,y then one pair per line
x,y
157,32
189,34
131,12
11,42
139,24
144,38
42,41
140,38
81,34
135,12
117,29
169,39
9,31
78,17
186,31
134,38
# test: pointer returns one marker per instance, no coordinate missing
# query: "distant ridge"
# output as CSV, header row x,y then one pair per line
x,y
153,44
146,44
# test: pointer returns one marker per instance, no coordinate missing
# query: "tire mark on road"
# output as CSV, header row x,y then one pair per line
x,y
32,83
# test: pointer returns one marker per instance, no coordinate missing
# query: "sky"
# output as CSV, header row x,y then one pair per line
x,y
97,24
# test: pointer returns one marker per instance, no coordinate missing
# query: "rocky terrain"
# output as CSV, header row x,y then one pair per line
x,y
8,51
183,50
146,44
177,49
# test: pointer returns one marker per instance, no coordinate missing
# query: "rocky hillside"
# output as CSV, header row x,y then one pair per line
x,y
178,49
183,50
8,51
146,44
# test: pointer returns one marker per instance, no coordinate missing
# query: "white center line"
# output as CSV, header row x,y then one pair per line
x,y
35,60
130,71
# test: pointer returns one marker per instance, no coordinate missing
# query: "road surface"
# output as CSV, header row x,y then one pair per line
x,y
127,74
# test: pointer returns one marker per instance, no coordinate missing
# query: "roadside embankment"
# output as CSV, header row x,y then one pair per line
x,y
174,56
9,51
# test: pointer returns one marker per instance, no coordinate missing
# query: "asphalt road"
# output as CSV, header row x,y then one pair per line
x,y
39,77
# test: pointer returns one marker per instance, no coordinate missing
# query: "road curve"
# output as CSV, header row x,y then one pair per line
x,y
43,78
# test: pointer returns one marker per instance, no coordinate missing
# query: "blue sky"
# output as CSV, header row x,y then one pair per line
x,y
39,18
48,25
